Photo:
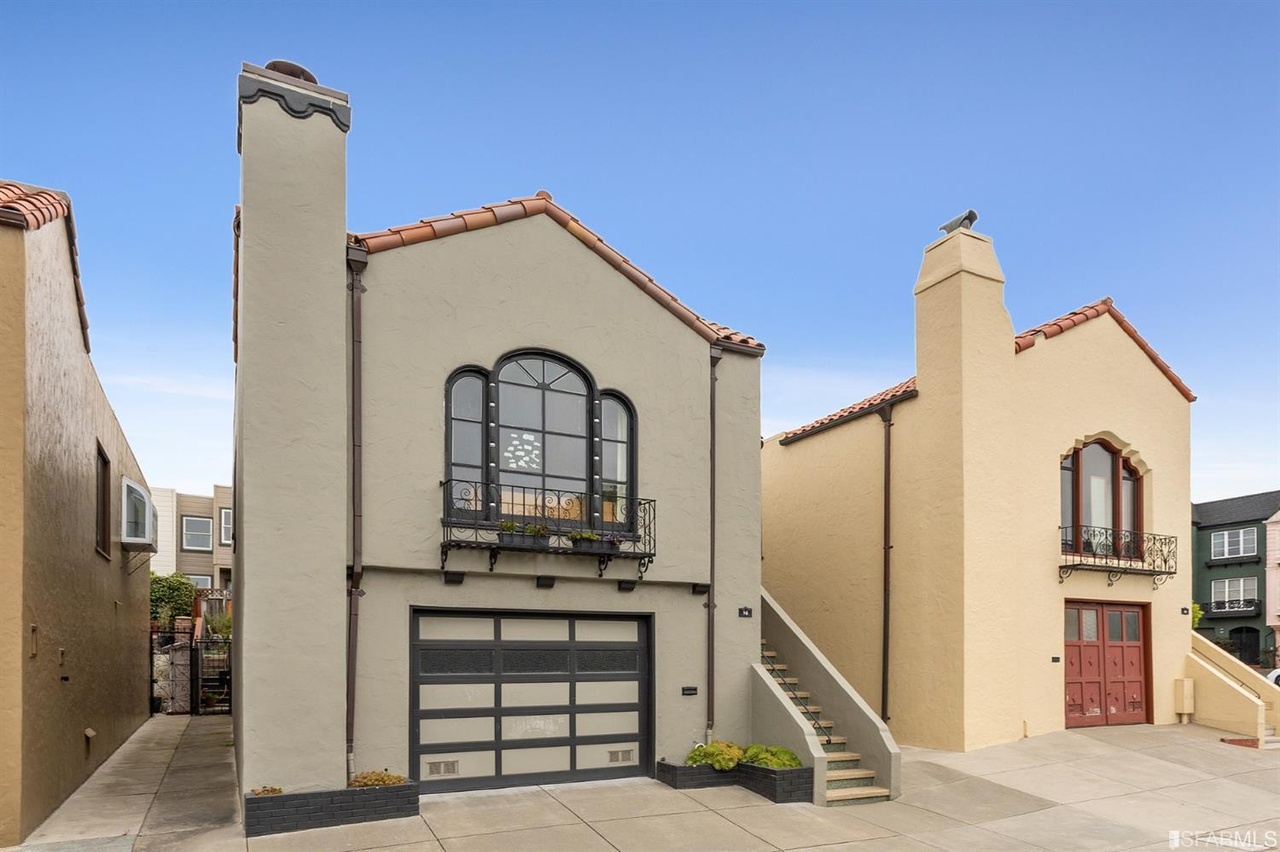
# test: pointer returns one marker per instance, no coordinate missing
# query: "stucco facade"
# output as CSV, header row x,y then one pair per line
x,y
73,636
527,283
977,600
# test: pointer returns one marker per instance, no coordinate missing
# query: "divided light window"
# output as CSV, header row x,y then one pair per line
x,y
1231,543
102,532
197,533
1235,589
225,530
534,439
139,521
1101,499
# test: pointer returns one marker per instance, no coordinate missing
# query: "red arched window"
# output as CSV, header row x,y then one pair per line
x,y
1101,496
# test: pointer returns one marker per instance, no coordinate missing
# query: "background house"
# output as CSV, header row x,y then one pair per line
x,y
76,529
1229,564
940,539
194,535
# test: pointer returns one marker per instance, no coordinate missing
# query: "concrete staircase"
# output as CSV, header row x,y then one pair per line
x,y
1270,740
847,784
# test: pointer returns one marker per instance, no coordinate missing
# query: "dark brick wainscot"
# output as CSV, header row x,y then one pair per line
x,y
784,786
298,811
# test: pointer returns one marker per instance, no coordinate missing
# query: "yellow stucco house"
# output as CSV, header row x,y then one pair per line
x,y
990,549
76,529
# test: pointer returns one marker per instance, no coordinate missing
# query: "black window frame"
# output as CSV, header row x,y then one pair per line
x,y
490,429
102,503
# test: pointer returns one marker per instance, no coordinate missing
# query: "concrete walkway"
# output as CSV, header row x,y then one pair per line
x,y
1072,791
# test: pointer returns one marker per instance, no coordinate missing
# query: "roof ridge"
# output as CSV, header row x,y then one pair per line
x,y
438,227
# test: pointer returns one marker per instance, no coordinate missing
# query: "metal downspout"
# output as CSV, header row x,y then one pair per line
x,y
886,415
357,260
716,354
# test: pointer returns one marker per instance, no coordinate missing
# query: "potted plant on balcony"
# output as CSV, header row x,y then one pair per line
x,y
530,535
585,541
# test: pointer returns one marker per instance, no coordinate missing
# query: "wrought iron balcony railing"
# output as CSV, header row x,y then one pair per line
x,y
1117,552
1245,608
501,518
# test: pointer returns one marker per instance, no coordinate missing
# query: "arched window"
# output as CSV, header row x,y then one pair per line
x,y
533,440
1101,502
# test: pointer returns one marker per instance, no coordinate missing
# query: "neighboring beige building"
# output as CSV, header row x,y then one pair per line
x,y
399,394
195,535
76,529
1037,488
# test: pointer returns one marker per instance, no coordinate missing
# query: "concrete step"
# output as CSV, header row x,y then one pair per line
x,y
840,779
787,680
833,743
823,723
777,667
798,696
1269,742
856,795
842,758
769,655
809,708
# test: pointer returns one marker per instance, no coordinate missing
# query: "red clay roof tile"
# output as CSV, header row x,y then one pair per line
x,y
31,208
1021,343
541,203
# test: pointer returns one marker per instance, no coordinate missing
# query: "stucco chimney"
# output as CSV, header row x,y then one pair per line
x,y
965,376
291,429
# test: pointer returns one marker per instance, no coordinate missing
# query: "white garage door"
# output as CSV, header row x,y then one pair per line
x,y
515,698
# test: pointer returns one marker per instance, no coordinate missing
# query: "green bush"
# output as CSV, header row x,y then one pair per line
x,y
171,595
374,778
1197,613
220,624
774,757
721,755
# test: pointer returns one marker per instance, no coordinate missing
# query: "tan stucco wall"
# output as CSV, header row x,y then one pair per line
x,y
165,558
291,452
469,299
91,612
977,611
12,443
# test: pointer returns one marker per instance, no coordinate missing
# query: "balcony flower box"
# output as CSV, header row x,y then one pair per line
x,y
519,539
594,545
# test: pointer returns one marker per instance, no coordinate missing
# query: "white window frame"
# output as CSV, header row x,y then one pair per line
x,y
226,530
1235,589
1233,544
149,527
185,545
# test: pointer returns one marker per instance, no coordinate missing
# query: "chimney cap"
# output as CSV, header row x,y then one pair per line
x,y
291,69
964,220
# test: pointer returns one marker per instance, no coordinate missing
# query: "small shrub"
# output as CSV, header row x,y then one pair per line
x,y
171,595
1197,613
220,624
583,535
773,757
720,755
507,526
536,529
266,791
376,778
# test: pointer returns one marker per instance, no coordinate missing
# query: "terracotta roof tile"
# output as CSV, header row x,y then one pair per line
x,y
31,208
1021,343
900,391
541,203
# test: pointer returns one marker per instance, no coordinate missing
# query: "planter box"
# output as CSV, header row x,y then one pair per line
x,y
777,785
586,545
692,777
298,811
519,539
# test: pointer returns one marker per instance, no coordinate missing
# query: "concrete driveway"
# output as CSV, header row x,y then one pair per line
x,y
1105,789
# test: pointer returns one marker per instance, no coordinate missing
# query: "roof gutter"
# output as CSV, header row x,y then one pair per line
x,y
886,415
716,354
862,412
357,260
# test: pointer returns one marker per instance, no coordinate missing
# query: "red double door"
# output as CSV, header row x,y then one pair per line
x,y
1106,666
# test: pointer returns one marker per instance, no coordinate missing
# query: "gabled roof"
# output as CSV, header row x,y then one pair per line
x,y
31,208
1080,316
1021,343
541,204
1251,508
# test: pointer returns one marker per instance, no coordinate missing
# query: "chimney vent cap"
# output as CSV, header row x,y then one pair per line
x,y
965,220
291,69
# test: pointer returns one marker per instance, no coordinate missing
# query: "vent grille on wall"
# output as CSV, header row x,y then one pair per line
x,y
442,767
626,755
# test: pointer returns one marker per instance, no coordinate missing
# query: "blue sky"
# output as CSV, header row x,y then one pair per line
x,y
778,166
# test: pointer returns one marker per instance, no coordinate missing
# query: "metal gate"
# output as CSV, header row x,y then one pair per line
x,y
211,677
189,675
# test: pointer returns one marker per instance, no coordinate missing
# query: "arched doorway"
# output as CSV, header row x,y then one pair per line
x,y
1246,644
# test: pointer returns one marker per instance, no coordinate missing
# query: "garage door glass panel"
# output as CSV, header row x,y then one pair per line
x,y
608,692
454,629
538,629
534,694
608,660
604,755
535,661
463,764
606,631
464,730
530,727
525,761
439,696
443,661
593,724
1089,625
